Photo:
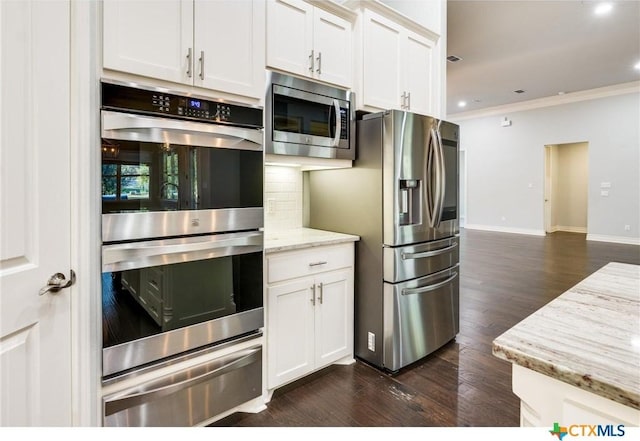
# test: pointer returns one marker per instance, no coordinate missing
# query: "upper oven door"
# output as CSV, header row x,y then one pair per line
x,y
178,177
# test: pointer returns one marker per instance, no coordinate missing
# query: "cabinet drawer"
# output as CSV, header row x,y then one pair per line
x,y
291,264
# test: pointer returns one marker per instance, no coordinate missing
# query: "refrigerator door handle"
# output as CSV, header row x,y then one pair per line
x,y
434,179
441,176
406,256
423,289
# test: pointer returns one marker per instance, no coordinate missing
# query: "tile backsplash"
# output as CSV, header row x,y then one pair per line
x,y
282,197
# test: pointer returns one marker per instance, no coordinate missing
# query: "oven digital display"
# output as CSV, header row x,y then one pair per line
x,y
197,104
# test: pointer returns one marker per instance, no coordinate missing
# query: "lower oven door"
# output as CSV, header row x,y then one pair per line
x,y
190,396
420,316
164,297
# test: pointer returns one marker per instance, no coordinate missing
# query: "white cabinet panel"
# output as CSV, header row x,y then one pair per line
x,y
399,68
308,41
418,81
334,317
309,316
381,62
289,36
332,46
149,38
290,325
217,45
229,46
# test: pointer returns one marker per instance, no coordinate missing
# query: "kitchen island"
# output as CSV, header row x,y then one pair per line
x,y
577,359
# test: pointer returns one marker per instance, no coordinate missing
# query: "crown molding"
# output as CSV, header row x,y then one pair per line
x,y
556,100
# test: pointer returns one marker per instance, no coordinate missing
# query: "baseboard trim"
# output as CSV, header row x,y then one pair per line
x,y
614,239
569,229
498,229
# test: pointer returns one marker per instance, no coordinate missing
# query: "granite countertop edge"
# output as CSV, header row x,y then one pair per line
x,y
618,286
301,238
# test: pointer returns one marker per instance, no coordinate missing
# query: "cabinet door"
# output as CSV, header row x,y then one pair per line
x,y
229,46
290,328
417,71
289,36
332,48
381,58
149,38
334,316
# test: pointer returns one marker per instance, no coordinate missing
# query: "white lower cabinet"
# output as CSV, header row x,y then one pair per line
x,y
309,311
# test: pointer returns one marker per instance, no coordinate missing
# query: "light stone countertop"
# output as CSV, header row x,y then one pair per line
x,y
588,337
285,240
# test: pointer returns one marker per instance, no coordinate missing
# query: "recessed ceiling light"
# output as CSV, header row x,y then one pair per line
x,y
637,65
560,93
462,103
603,8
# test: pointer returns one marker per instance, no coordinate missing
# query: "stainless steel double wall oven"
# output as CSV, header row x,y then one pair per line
x,y
182,218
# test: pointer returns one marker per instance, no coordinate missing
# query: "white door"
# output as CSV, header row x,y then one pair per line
x,y
35,331
332,47
290,36
290,329
229,36
152,38
417,70
382,42
334,316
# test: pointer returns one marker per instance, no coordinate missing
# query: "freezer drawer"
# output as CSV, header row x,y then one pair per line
x,y
411,261
420,316
191,396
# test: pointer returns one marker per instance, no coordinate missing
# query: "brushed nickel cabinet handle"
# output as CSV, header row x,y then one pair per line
x,y
189,72
201,65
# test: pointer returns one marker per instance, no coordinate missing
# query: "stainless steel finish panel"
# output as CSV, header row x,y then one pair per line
x,y
411,261
132,127
155,347
147,225
132,255
191,396
179,359
420,316
409,154
283,143
145,86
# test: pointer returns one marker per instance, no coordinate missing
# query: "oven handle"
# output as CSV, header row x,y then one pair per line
x,y
130,127
118,255
135,396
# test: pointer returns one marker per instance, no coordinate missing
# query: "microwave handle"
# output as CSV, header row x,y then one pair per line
x,y
336,108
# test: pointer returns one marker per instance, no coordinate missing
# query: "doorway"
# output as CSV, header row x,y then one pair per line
x,y
566,179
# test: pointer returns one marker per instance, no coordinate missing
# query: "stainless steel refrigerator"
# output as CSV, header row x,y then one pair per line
x,y
401,198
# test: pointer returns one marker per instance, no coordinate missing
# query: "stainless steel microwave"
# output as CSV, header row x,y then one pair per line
x,y
305,118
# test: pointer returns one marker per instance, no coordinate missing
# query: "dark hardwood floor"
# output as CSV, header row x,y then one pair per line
x,y
504,278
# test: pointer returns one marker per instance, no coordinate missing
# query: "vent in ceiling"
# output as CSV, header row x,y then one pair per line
x,y
453,58
518,91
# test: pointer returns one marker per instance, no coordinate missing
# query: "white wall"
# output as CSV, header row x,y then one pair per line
x,y
505,180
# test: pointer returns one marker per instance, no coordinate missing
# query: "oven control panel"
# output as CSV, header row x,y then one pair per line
x,y
148,101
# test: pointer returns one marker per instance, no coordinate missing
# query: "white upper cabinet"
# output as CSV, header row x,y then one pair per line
x,y
398,63
216,45
309,41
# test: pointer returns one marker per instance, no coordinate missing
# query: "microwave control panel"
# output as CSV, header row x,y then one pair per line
x,y
160,103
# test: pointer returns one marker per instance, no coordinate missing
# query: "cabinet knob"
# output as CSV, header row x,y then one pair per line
x,y
320,289
313,295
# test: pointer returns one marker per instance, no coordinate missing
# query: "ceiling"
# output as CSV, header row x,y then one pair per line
x,y
542,47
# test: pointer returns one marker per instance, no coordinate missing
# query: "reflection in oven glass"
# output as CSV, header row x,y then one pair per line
x,y
141,302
